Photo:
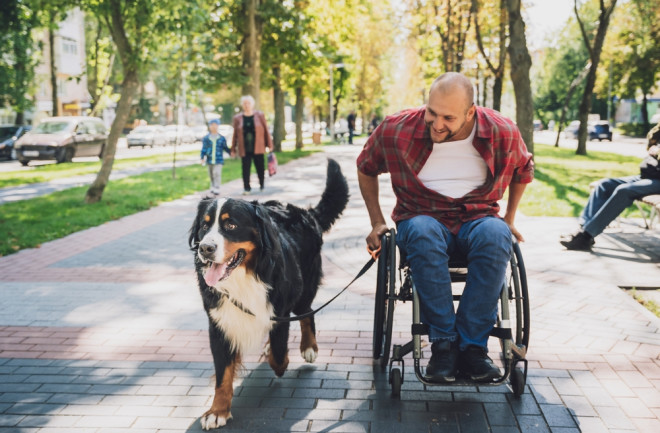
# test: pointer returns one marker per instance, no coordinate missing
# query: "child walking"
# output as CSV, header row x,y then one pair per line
x,y
213,145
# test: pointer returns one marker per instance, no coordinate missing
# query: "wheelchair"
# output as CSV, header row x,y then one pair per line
x,y
511,327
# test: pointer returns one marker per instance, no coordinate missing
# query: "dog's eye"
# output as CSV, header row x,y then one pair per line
x,y
230,226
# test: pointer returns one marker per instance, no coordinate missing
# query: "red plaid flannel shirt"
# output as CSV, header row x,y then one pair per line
x,y
401,145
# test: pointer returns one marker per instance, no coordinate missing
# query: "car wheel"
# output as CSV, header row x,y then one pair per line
x,y
64,155
12,154
24,163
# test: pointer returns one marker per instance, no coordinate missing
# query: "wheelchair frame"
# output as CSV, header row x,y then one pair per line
x,y
513,332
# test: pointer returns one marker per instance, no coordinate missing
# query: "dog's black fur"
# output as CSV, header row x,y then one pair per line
x,y
255,260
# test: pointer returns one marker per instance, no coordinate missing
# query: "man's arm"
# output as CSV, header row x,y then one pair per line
x,y
516,191
369,190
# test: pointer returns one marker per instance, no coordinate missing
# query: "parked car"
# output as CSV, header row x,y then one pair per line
x,y
8,137
200,131
179,134
146,135
571,130
61,139
600,130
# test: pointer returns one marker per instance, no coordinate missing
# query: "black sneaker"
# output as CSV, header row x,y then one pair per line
x,y
442,365
581,241
475,363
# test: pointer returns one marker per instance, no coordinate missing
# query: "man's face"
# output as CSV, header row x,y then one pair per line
x,y
448,116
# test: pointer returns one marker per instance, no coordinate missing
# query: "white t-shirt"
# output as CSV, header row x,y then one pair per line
x,y
454,168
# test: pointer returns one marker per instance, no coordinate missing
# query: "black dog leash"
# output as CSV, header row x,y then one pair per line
x,y
364,269
279,319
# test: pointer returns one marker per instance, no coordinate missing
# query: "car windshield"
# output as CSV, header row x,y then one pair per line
x,y
8,131
53,127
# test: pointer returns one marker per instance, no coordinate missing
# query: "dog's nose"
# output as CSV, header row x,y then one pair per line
x,y
207,249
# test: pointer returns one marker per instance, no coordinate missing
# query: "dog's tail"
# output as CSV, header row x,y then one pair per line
x,y
334,198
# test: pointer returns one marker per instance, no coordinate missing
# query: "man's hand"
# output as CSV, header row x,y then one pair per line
x,y
514,230
373,240
201,161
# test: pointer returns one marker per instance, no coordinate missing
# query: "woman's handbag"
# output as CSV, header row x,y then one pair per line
x,y
272,164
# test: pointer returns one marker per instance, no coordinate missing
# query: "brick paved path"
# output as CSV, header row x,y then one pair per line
x,y
103,331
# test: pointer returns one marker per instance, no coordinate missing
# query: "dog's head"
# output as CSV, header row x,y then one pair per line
x,y
228,234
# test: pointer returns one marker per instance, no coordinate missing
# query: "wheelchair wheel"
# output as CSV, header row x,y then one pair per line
x,y
384,303
396,380
519,294
517,380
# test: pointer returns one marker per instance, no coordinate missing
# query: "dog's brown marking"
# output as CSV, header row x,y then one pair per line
x,y
279,369
207,218
308,339
224,216
221,406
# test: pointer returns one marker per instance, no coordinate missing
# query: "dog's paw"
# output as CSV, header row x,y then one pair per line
x,y
211,420
309,354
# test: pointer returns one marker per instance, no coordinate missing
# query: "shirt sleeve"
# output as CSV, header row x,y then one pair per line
x,y
371,160
524,171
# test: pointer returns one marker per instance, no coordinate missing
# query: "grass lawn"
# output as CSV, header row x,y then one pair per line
x,y
46,173
29,223
561,180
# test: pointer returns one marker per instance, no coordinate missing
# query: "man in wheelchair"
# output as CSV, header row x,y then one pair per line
x,y
450,162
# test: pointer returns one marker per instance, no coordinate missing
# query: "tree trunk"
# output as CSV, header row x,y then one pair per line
x,y
645,111
128,90
520,63
252,50
497,93
279,132
300,106
569,94
594,55
53,69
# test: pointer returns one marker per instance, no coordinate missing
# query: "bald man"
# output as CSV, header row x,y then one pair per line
x,y
450,163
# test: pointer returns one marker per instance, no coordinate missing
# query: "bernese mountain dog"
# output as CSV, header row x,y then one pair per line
x,y
256,261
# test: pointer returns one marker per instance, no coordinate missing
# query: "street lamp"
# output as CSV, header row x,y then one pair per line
x,y
332,114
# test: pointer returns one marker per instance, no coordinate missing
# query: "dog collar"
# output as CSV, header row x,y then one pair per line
x,y
237,304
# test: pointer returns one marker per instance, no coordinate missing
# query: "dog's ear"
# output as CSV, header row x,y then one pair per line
x,y
193,239
270,255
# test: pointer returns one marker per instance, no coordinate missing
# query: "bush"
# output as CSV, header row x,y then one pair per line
x,y
632,129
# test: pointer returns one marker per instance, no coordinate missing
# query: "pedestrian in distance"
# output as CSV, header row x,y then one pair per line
x,y
213,146
351,126
611,196
450,163
251,141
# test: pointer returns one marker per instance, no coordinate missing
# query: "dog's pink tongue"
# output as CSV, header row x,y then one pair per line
x,y
215,273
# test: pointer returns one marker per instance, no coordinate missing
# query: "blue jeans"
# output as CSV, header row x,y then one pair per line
x,y
428,244
611,197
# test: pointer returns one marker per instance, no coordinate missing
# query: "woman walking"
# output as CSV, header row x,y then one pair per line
x,y
251,141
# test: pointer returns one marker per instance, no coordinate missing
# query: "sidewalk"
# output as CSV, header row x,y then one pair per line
x,y
103,331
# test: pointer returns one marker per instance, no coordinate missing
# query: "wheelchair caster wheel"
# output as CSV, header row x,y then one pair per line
x,y
395,381
517,380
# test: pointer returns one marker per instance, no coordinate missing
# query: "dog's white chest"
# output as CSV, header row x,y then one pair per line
x,y
244,331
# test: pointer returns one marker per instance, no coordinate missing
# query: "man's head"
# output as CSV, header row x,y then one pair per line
x,y
213,126
450,110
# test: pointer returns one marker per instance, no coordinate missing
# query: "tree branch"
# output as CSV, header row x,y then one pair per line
x,y
583,31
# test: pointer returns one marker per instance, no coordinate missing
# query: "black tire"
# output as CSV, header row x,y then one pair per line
x,y
64,154
384,303
517,380
395,381
518,300
24,163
